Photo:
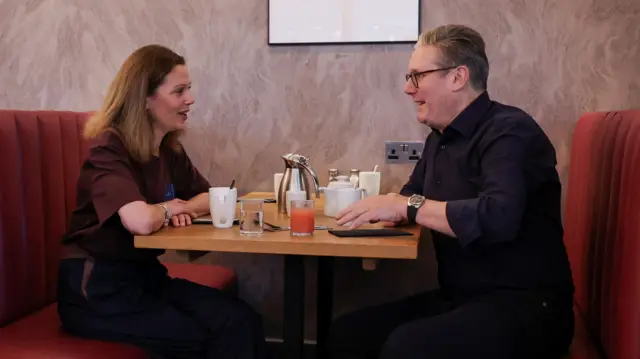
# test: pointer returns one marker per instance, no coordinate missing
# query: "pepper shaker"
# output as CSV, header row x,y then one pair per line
x,y
354,177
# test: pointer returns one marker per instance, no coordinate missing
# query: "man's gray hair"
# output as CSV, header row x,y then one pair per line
x,y
460,45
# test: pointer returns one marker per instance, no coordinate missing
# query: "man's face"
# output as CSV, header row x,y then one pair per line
x,y
434,92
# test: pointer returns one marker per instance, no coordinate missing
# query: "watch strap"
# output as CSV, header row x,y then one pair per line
x,y
413,207
412,213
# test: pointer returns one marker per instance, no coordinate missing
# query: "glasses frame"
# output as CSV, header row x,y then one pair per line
x,y
415,76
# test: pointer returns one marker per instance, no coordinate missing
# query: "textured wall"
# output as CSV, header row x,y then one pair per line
x,y
337,104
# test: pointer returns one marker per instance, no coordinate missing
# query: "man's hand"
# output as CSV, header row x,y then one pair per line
x,y
389,208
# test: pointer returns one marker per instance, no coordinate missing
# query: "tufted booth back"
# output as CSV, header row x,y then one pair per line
x,y
42,152
602,229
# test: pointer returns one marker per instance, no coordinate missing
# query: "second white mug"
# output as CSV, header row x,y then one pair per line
x,y
277,178
222,205
370,182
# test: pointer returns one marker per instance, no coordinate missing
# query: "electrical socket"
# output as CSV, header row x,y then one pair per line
x,y
400,152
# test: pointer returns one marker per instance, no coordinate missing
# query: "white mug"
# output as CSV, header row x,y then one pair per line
x,y
277,178
294,196
370,182
222,205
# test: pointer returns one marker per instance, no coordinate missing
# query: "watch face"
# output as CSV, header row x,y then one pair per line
x,y
416,200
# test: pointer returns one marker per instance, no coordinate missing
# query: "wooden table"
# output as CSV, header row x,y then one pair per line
x,y
324,246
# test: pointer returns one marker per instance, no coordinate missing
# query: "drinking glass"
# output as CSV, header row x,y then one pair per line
x,y
302,220
251,217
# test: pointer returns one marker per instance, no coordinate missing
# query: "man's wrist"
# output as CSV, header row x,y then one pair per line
x,y
414,203
402,207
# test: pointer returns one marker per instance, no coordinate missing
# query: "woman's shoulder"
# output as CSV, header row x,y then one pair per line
x,y
105,138
108,141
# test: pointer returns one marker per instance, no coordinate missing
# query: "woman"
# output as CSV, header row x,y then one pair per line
x,y
137,179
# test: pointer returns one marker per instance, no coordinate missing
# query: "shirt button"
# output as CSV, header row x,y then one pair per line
x,y
439,181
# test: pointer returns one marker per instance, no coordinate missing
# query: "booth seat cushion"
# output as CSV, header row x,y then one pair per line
x,y
40,336
602,229
209,275
42,152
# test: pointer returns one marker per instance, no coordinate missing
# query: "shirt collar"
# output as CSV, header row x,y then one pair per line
x,y
466,122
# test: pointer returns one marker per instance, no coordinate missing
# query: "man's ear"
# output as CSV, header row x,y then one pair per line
x,y
460,77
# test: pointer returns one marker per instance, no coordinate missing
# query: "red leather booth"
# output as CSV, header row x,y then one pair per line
x,y
602,234
41,154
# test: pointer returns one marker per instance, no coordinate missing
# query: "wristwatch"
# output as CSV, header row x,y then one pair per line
x,y
413,205
167,212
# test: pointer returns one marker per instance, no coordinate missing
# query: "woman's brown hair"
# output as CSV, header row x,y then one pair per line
x,y
125,107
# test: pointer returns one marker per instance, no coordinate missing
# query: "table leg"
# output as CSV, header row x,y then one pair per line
x,y
293,328
325,304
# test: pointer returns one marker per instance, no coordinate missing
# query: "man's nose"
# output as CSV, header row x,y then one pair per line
x,y
409,89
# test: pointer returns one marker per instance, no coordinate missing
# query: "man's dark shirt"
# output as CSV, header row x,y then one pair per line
x,y
495,168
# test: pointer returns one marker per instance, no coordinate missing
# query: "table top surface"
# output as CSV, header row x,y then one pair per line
x,y
205,237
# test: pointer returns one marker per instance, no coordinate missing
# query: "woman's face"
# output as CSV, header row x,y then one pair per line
x,y
170,103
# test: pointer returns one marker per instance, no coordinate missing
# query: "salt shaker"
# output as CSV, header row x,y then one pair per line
x,y
333,174
354,177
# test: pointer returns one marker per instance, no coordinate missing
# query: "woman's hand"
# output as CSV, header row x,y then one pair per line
x,y
180,211
181,220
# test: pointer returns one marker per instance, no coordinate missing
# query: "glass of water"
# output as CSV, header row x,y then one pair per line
x,y
251,213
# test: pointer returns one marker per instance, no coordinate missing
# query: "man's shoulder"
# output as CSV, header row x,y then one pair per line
x,y
511,118
510,114
516,129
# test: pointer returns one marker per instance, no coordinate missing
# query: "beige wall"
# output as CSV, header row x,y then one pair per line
x,y
337,104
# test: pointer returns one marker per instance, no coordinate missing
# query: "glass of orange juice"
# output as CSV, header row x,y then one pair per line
x,y
302,221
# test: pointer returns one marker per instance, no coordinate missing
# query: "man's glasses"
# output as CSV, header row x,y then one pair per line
x,y
415,76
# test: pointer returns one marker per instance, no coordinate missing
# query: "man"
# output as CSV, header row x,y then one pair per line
x,y
487,189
